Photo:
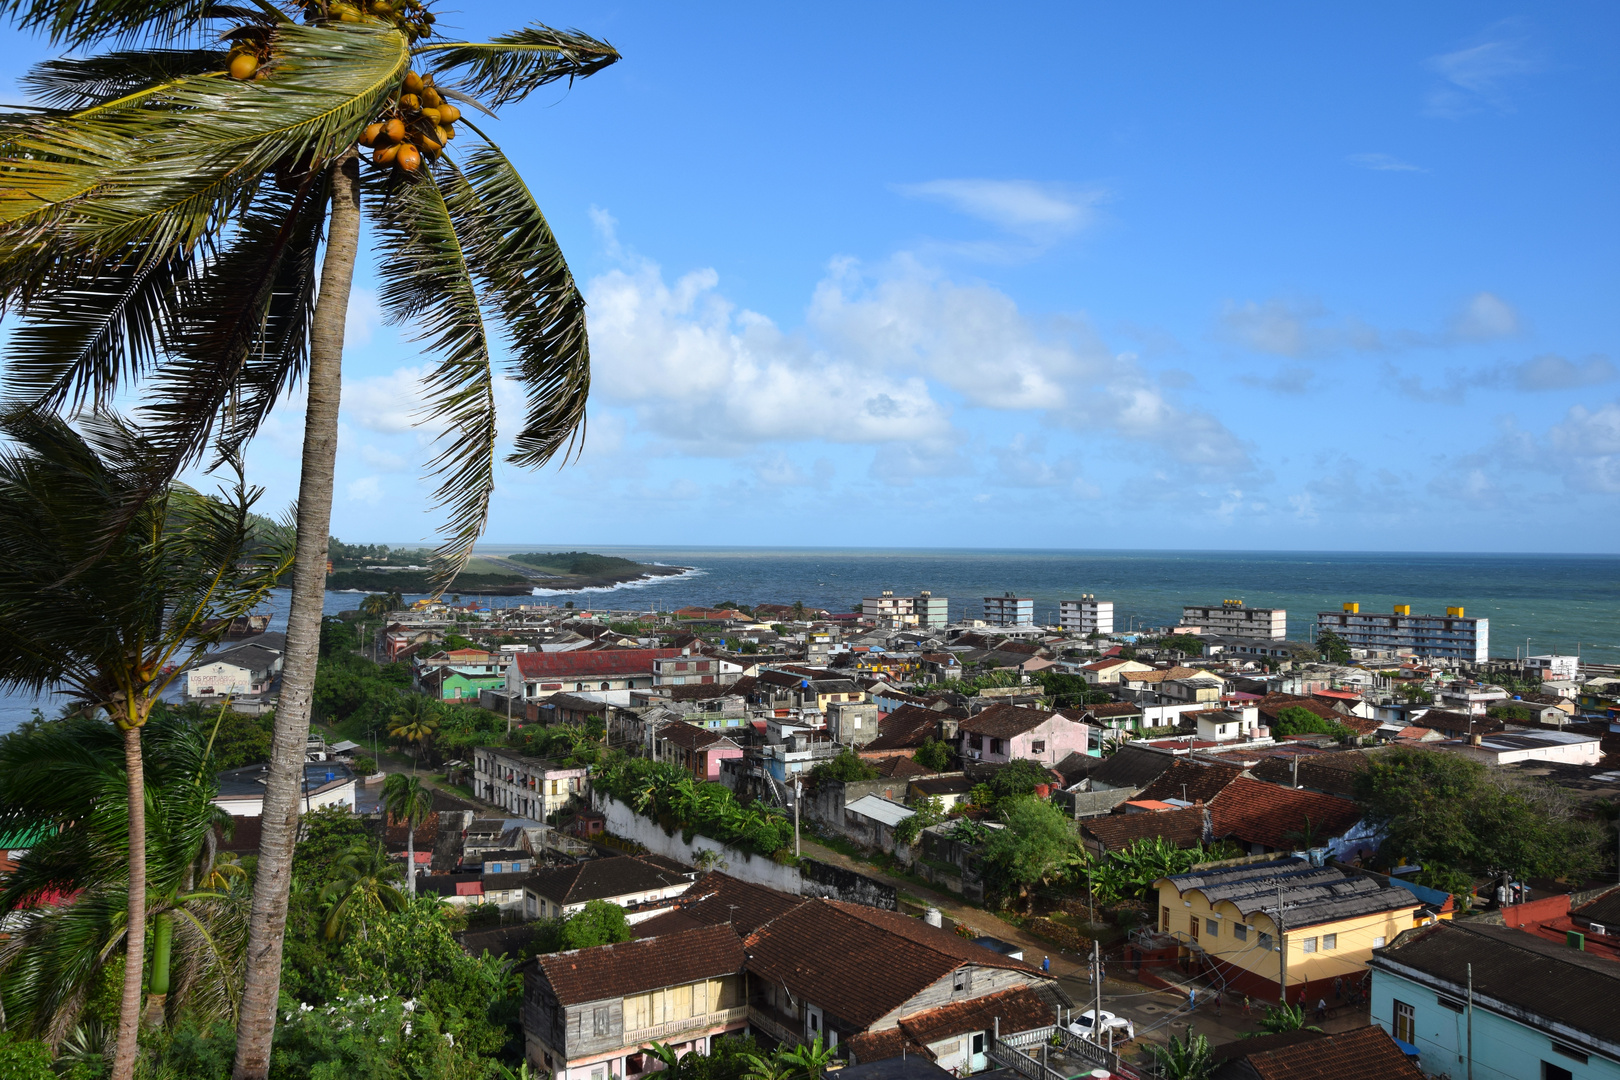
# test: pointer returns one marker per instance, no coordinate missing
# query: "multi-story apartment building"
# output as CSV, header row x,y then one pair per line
x,y
931,610
1451,636
529,787
889,609
1087,615
1231,617
1009,610
1553,666
694,669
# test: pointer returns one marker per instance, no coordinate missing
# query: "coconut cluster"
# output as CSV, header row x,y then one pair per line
x,y
411,16
421,122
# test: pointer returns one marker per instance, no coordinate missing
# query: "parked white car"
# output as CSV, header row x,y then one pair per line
x,y
1122,1028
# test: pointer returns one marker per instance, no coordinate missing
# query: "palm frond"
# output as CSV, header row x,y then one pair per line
x,y
241,335
75,83
518,259
85,340
76,22
509,67
426,279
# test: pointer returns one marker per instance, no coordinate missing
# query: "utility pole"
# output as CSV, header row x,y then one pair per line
x,y
1470,1022
1282,951
1097,970
798,790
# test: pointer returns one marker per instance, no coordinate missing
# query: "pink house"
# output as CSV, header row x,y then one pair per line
x,y
1004,732
698,750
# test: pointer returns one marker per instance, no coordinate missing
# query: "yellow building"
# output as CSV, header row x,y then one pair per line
x,y
1225,919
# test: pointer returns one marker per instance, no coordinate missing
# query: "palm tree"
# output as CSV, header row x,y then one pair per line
x,y
416,720
65,906
1188,1058
374,606
362,882
406,800
162,221
108,616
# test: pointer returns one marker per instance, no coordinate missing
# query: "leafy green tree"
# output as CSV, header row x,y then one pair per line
x,y
1333,648
1067,691
848,767
1293,720
1184,1058
173,222
1188,644
1019,778
1038,847
934,755
808,1061
1447,812
112,583
925,812
597,923
407,801
24,1059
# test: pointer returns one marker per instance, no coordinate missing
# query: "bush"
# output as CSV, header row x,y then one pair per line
x,y
597,923
363,765
848,767
1019,778
1293,720
934,756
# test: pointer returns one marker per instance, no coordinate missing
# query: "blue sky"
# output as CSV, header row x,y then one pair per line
x,y
1194,276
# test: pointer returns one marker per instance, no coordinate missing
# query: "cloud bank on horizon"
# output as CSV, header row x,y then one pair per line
x,y
1331,283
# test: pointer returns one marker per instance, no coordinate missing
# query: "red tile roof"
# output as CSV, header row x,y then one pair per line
x,y
600,879
1116,832
1363,1054
1018,1009
1004,721
906,728
861,961
579,664
634,967
1260,813
716,899
1194,783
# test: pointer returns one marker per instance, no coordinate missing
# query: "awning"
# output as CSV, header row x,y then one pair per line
x,y
1408,1049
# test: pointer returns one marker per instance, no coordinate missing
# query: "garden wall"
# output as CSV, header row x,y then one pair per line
x,y
837,883
744,865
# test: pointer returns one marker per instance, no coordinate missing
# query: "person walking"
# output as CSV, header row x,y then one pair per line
x,y
1245,1004
1046,964
1192,999
1321,1009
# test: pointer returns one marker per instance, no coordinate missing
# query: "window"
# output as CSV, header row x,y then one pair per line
x,y
1450,1003
1213,926
1405,1022
1307,944
959,981
1240,931
1330,941
1569,1052
601,1021
1038,746
1549,1071
1164,920
1265,941
1192,925
1378,942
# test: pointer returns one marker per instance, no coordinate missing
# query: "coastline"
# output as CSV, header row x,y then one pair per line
x,y
344,581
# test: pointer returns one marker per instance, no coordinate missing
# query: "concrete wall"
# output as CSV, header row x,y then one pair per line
x,y
1084,804
837,883
745,865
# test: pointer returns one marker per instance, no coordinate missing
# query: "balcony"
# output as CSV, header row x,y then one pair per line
x,y
662,1032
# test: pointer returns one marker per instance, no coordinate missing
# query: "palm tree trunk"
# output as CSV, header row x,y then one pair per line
x,y
268,925
410,854
129,1011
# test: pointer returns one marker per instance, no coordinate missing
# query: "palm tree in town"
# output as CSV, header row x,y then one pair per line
x,y
1184,1058
407,801
375,607
415,720
184,217
362,882
65,906
107,614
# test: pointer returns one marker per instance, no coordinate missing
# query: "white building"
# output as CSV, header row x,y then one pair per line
x,y
326,783
1452,636
889,609
1009,610
1553,666
931,610
249,669
1511,747
529,787
1231,617
688,669
1087,615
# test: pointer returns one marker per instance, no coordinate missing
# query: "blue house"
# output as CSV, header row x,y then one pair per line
x,y
1540,1010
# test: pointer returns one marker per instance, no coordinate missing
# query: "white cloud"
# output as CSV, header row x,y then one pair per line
x,y
1550,371
380,459
1590,441
1485,317
1383,163
1295,328
1025,207
385,403
1478,76
364,316
699,372
367,489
